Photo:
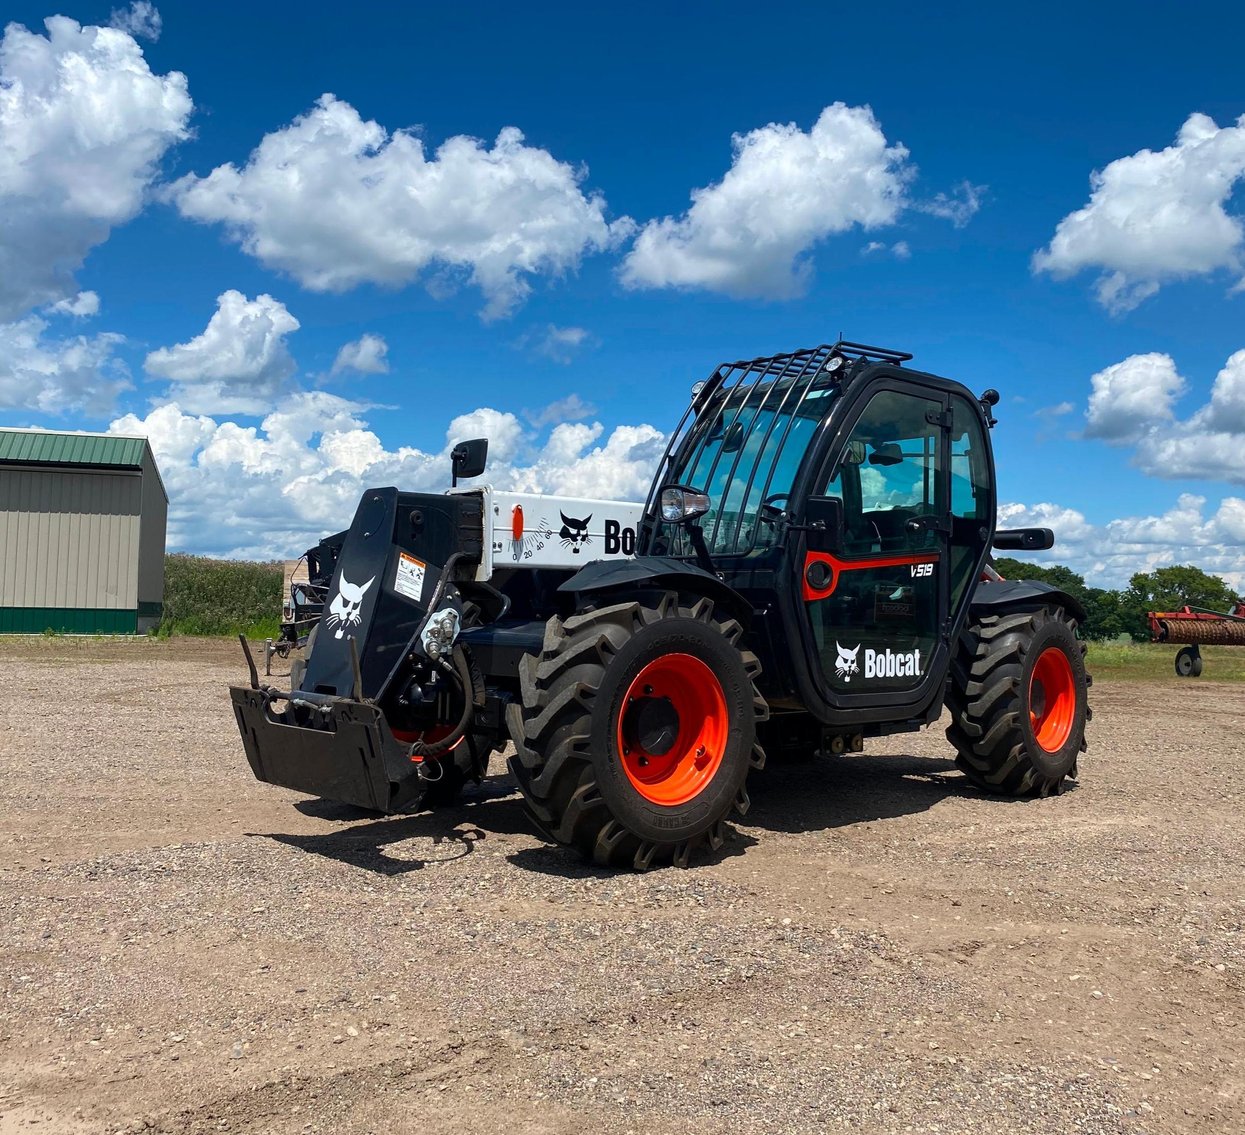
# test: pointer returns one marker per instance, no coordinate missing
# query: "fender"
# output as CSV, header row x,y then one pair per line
x,y
992,596
662,571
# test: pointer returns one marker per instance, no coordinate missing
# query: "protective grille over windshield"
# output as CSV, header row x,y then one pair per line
x,y
744,438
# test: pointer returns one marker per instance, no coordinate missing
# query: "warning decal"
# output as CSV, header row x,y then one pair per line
x,y
410,578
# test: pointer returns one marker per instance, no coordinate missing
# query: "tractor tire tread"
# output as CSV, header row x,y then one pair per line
x,y
985,701
552,761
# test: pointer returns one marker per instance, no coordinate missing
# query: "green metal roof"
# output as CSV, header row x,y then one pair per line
x,y
34,447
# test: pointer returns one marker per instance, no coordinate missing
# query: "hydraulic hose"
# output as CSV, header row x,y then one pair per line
x,y
435,749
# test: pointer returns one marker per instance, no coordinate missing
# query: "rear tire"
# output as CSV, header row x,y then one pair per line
x,y
1188,664
637,729
1018,697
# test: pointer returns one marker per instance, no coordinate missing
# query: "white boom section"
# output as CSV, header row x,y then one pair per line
x,y
536,531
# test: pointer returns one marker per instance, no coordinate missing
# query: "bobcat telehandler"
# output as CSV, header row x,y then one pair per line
x,y
811,569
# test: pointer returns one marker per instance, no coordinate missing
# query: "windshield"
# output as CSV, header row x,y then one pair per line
x,y
745,451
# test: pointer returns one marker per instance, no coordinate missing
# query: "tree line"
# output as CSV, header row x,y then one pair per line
x,y
1110,614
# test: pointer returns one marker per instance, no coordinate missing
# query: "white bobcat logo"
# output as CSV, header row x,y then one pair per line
x,y
847,665
344,611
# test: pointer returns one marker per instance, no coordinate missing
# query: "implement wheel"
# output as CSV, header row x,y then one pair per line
x,y
1018,698
1189,662
637,729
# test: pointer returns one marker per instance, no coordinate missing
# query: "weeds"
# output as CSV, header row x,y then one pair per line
x,y
1156,661
204,596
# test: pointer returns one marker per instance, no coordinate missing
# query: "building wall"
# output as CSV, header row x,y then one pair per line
x,y
153,524
69,542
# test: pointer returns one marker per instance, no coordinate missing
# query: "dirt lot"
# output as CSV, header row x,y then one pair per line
x,y
878,949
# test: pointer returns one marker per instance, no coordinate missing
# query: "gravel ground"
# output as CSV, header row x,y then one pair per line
x,y
878,948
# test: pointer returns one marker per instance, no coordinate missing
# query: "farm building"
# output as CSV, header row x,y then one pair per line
x,y
82,520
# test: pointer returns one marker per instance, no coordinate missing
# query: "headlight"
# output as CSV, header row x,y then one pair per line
x,y
679,504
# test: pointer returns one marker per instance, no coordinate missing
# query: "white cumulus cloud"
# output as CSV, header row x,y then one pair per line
x,y
1225,412
1107,555
239,364
572,408
272,490
141,20
900,250
561,344
1158,216
1132,396
1132,404
81,305
54,375
365,355
337,201
959,206
749,234
83,125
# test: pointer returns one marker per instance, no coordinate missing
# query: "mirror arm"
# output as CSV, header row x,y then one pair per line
x,y
697,536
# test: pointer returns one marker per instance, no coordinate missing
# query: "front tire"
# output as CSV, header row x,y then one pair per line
x,y
637,729
1019,701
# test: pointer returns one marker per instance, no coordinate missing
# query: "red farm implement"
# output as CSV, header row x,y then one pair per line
x,y
1198,627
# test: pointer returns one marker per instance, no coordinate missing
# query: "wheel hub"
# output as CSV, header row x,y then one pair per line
x,y
651,724
672,729
1052,699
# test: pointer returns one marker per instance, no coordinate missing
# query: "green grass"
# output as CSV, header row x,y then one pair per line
x,y
203,596
1156,662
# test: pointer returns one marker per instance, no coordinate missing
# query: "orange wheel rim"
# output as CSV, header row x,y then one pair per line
x,y
1052,699
672,729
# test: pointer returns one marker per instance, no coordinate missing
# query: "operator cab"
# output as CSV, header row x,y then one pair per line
x,y
860,494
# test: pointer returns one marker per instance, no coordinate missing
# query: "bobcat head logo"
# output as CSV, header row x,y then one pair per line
x,y
574,532
846,665
345,610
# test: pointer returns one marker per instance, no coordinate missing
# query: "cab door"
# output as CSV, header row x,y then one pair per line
x,y
875,590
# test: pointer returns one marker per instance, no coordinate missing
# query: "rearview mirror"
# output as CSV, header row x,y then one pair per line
x,y
888,453
468,458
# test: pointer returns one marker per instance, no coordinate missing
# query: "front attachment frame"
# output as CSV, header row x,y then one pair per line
x,y
348,754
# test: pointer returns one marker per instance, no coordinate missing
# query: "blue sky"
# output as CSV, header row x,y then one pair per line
x,y
565,282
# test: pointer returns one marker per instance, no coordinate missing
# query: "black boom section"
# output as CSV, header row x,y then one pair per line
x,y
387,574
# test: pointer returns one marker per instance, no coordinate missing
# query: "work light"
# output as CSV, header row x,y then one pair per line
x,y
679,504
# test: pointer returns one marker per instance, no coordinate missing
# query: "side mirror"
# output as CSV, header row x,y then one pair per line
x,y
468,458
823,522
1024,539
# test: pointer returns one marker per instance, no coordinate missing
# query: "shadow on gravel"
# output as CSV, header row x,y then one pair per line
x,y
836,792
488,809
789,796
567,864
830,792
